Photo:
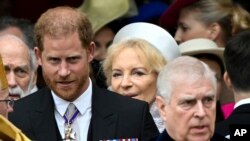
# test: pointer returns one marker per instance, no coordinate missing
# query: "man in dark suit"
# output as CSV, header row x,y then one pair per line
x,y
72,108
187,101
237,77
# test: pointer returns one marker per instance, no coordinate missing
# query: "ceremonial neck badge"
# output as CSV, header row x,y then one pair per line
x,y
70,134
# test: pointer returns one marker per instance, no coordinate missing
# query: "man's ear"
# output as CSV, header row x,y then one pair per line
x,y
161,105
35,72
214,31
227,80
38,54
91,51
34,81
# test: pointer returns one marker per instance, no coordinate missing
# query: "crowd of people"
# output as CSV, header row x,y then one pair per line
x,y
182,77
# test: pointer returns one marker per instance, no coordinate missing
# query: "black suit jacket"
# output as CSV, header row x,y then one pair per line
x,y
113,117
240,115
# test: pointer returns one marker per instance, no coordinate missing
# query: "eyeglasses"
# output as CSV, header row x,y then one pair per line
x,y
9,102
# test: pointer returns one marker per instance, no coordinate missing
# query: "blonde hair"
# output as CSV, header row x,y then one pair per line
x,y
230,16
154,60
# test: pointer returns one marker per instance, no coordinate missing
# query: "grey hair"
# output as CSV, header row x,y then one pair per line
x,y
33,60
184,68
32,57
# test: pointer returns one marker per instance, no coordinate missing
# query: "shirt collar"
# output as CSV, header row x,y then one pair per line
x,y
241,102
83,102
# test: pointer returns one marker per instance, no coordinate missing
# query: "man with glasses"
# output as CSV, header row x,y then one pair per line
x,y
8,105
7,130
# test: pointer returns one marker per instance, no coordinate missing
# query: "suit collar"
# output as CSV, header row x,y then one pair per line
x,y
245,108
43,118
100,104
242,102
103,119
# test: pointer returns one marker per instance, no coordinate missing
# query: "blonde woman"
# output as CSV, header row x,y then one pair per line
x,y
216,20
139,51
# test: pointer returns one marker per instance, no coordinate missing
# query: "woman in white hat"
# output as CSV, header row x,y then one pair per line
x,y
138,53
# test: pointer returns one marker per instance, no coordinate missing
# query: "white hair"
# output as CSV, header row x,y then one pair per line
x,y
184,68
32,57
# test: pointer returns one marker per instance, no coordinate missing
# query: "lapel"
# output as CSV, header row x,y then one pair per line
x,y
103,121
240,115
43,118
242,109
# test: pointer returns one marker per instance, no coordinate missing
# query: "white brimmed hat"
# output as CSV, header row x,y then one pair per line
x,y
154,34
201,46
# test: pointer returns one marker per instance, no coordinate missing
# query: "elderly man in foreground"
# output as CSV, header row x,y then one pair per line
x,y
187,101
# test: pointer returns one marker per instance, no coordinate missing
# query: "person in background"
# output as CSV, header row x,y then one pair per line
x,y
237,78
8,132
23,29
103,39
137,54
217,20
104,16
72,107
207,51
187,101
20,65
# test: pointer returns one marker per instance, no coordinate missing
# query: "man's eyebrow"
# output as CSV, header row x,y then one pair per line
x,y
210,94
25,66
187,97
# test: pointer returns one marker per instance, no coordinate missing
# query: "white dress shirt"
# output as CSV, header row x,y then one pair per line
x,y
83,104
156,117
242,102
